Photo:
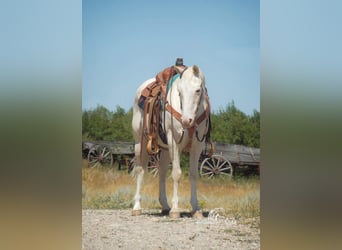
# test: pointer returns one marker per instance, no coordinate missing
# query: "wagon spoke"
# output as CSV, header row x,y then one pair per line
x,y
207,168
131,166
95,165
207,173
105,155
228,168
214,161
103,150
154,171
92,160
209,163
220,162
223,163
224,173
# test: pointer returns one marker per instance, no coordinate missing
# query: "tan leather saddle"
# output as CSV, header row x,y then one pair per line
x,y
150,101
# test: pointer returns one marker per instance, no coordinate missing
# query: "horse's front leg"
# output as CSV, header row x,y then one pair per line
x,y
194,157
176,174
139,169
163,166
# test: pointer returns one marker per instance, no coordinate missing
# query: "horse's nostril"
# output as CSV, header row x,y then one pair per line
x,y
187,122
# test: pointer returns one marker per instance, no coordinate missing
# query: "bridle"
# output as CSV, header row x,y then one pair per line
x,y
198,119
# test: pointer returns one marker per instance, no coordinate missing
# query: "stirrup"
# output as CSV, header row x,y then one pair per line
x,y
149,149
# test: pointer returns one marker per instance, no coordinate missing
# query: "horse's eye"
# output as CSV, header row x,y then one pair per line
x,y
198,91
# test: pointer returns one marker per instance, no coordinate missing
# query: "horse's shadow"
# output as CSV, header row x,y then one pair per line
x,y
182,214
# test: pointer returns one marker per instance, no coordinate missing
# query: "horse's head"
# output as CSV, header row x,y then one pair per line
x,y
191,88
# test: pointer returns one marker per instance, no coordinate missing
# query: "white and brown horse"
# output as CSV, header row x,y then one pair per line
x,y
186,123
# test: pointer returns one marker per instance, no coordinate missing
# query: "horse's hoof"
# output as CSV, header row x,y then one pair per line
x,y
165,212
197,214
136,212
174,215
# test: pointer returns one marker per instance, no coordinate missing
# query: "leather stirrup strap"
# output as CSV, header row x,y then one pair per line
x,y
153,120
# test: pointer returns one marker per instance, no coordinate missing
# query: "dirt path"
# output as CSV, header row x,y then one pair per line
x,y
118,229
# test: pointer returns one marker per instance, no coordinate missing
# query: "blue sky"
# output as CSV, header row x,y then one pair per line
x,y
128,42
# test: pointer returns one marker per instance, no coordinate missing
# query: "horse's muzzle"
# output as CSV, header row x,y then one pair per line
x,y
187,122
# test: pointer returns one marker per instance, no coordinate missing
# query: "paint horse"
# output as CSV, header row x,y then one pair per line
x,y
186,121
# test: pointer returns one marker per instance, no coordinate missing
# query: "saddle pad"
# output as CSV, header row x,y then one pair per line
x,y
172,79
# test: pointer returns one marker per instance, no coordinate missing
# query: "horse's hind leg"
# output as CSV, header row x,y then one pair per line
x,y
140,167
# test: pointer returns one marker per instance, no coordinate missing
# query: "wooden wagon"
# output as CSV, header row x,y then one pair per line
x,y
228,159
100,153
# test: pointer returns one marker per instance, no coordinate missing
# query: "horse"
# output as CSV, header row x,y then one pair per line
x,y
186,122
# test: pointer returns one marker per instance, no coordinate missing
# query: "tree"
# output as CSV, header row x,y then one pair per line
x,y
230,125
254,136
121,125
97,124
85,124
102,124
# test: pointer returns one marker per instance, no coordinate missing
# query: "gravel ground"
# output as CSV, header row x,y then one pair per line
x,y
118,229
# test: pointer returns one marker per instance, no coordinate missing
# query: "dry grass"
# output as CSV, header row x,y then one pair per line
x,y
113,189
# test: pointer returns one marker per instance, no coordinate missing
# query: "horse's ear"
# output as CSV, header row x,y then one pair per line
x,y
195,70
